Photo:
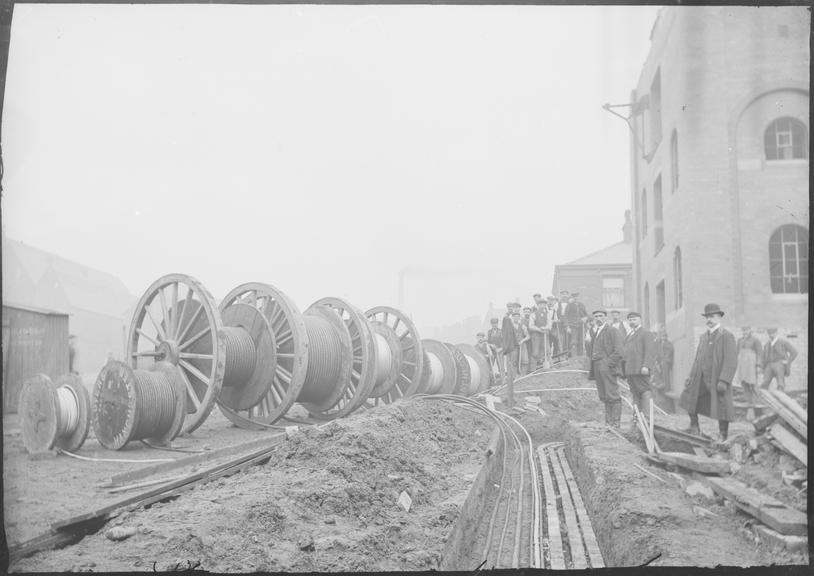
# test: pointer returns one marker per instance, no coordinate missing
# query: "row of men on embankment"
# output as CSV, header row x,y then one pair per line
x,y
615,351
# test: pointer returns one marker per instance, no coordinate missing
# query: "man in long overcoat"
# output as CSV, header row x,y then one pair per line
x,y
708,389
605,352
638,361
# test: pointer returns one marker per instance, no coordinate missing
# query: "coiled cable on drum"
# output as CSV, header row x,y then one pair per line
x,y
324,359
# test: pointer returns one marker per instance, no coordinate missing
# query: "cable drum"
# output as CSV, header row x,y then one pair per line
x,y
474,371
324,359
138,404
68,410
241,356
155,405
436,374
384,359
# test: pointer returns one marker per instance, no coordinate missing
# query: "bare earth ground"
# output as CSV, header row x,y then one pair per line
x,y
325,501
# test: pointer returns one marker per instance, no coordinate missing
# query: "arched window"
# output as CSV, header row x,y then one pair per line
x,y
788,260
644,212
786,139
674,162
646,297
678,289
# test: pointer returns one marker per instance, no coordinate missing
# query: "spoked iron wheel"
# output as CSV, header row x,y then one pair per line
x,y
412,353
176,321
291,345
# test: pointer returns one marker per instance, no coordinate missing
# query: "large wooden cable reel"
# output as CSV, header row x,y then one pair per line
x,y
281,380
54,415
357,385
479,369
406,350
176,321
134,404
442,376
462,371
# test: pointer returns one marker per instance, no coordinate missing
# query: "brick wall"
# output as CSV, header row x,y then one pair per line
x,y
726,72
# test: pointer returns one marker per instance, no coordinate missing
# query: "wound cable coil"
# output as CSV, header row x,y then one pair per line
x,y
384,359
155,405
68,411
436,373
324,359
241,356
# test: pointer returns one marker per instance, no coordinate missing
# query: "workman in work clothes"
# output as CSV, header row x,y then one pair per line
x,y
561,326
573,329
617,323
750,356
708,389
510,348
495,338
638,360
73,354
665,352
489,352
523,340
538,329
605,352
553,344
777,358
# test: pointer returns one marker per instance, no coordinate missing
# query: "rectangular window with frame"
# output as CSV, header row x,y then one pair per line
x,y
655,111
613,292
657,215
661,304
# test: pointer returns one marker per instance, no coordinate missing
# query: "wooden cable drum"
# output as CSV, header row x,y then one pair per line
x,y
407,355
283,377
54,416
133,404
479,368
462,370
443,373
353,388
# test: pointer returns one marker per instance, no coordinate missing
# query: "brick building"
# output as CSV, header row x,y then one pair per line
x,y
719,175
604,279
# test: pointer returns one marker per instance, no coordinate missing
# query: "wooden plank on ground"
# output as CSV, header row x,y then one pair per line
x,y
681,435
555,552
594,553
695,462
765,508
787,415
574,535
760,424
790,442
791,404
127,477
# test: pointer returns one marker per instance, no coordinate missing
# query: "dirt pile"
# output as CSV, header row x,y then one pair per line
x,y
326,501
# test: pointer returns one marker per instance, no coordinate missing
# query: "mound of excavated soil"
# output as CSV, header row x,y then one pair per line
x,y
326,501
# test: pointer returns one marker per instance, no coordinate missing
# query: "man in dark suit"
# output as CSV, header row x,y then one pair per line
x,y
638,361
708,389
605,353
777,358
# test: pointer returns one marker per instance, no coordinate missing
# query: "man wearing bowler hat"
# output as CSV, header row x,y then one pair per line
x,y
708,389
638,361
605,352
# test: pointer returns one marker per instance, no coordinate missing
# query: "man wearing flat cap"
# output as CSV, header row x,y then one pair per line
x,y
708,389
638,361
605,353
495,338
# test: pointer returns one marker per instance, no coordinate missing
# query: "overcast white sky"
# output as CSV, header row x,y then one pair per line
x,y
323,149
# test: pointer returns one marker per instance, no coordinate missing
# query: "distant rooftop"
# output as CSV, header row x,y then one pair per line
x,y
619,253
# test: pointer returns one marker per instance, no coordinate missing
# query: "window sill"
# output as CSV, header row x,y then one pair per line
x,y
792,162
790,298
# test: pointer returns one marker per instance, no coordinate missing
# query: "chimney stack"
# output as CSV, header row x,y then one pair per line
x,y
627,229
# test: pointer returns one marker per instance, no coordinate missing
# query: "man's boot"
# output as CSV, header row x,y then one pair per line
x,y
616,414
723,430
694,428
